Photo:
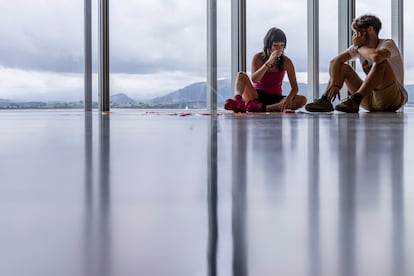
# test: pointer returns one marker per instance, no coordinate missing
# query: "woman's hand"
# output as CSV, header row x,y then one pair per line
x,y
273,56
286,103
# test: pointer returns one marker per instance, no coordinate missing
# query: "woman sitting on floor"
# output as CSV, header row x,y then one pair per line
x,y
268,71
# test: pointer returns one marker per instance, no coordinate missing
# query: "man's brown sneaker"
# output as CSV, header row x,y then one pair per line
x,y
348,106
320,105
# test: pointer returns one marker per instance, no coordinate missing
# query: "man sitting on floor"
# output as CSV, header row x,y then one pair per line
x,y
382,89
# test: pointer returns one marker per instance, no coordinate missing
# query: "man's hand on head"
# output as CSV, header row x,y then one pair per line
x,y
359,38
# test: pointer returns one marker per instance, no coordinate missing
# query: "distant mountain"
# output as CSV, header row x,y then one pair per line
x,y
196,93
121,98
191,96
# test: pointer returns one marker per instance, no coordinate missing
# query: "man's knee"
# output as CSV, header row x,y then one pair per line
x,y
346,67
343,66
381,66
345,71
383,73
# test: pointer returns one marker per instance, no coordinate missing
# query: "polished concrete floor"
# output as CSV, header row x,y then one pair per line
x,y
177,194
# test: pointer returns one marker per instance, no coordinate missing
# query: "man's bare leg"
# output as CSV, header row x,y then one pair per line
x,y
346,75
379,77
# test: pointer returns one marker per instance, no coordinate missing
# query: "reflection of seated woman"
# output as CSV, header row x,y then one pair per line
x,y
268,71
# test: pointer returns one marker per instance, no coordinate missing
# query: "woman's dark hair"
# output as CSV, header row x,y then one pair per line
x,y
274,35
364,21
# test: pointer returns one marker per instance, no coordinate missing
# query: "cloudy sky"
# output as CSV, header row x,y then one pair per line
x,y
156,46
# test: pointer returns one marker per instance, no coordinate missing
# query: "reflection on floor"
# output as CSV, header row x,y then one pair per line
x,y
137,193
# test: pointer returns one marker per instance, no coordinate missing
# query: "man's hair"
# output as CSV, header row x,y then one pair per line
x,y
364,21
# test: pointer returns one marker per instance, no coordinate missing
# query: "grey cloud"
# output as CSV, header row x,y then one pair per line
x,y
148,36
42,36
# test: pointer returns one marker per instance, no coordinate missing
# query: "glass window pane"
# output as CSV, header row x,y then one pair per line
x,y
157,47
380,8
408,49
291,17
41,50
328,38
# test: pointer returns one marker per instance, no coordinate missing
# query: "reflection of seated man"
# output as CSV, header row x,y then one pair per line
x,y
382,89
